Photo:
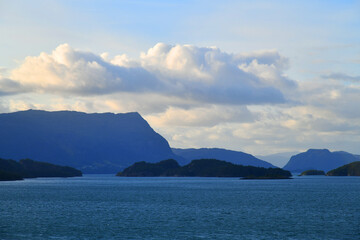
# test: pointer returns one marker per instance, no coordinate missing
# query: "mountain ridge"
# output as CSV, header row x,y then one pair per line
x,y
91,142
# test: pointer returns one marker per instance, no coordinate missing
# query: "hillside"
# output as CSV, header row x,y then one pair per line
x,y
235,157
319,159
93,143
351,169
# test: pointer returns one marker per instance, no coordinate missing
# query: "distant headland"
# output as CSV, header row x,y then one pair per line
x,y
351,169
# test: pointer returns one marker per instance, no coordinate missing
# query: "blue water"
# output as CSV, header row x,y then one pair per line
x,y
108,207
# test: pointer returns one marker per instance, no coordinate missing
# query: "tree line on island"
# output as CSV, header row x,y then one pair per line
x,y
351,169
202,168
218,168
27,168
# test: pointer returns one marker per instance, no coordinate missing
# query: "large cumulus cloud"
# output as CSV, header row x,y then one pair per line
x,y
205,75
66,70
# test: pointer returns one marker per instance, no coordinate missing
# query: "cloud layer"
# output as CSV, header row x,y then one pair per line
x,y
205,75
196,96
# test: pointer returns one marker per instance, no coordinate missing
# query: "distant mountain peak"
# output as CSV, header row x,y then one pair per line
x,y
319,159
311,150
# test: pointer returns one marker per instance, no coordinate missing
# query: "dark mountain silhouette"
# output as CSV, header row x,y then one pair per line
x,y
235,157
201,168
319,159
27,168
93,143
351,169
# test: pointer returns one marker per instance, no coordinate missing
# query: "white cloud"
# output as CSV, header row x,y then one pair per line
x,y
210,75
202,74
339,99
201,116
69,71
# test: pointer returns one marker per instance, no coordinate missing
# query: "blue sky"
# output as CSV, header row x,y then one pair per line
x,y
314,45
298,29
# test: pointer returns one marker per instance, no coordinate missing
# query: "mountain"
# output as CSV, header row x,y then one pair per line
x,y
93,143
351,169
201,168
27,168
319,159
235,157
277,159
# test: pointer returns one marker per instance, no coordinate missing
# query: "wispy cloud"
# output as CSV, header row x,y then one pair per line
x,y
342,77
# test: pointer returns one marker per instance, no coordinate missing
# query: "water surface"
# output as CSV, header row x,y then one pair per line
x,y
108,207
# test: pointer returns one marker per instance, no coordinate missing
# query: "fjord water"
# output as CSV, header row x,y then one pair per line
x,y
108,207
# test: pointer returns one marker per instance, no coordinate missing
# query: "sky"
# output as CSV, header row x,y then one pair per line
x,y
261,77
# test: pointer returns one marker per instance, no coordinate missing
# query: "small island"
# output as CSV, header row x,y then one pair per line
x,y
312,172
202,168
351,169
11,170
266,177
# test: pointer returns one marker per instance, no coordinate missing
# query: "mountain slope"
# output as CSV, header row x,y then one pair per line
x,y
319,159
93,143
235,157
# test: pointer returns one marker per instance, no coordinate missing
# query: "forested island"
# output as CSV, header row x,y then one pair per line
x,y
202,168
351,169
27,168
312,172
